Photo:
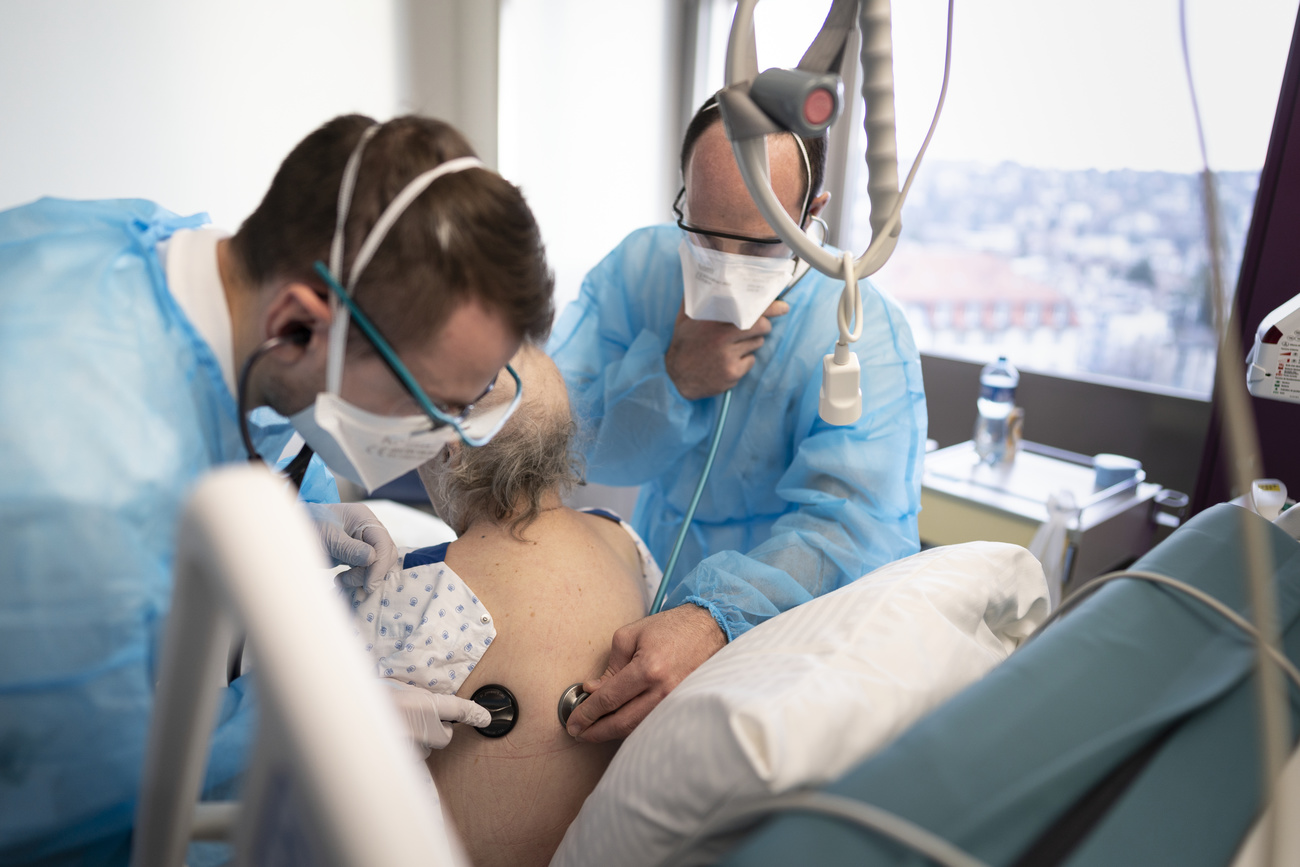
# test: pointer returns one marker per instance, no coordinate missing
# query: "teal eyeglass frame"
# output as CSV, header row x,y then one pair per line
x,y
439,417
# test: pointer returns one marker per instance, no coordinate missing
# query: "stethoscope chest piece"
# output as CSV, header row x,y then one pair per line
x,y
499,702
569,699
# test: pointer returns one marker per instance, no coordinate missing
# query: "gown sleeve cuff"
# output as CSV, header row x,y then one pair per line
x,y
729,628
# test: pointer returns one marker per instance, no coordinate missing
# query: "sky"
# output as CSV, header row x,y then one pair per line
x,y
1074,85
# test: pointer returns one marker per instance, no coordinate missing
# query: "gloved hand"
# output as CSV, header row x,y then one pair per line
x,y
352,536
428,715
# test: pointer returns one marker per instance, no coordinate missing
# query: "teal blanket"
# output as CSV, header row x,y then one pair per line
x,y
1125,734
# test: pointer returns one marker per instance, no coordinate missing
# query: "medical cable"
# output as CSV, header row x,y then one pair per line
x,y
896,214
695,501
1156,578
850,307
872,818
1239,430
865,266
296,469
297,338
717,437
839,401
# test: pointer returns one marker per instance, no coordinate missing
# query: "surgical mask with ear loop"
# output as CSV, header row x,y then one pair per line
x,y
365,447
731,287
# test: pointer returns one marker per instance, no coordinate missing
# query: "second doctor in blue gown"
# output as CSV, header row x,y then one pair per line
x,y
794,507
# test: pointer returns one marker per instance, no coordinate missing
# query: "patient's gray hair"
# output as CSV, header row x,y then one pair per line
x,y
506,480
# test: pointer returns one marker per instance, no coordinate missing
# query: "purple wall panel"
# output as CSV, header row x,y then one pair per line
x,y
1270,276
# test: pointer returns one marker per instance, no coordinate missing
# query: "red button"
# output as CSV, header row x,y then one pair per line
x,y
817,108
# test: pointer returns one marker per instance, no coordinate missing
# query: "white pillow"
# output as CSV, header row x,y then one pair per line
x,y
806,696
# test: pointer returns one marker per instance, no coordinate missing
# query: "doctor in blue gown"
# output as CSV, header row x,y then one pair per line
x,y
794,507
123,328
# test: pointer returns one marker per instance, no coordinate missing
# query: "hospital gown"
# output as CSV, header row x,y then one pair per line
x,y
424,626
794,507
112,405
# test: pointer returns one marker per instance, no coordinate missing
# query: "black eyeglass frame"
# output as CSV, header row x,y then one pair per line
x,y
695,230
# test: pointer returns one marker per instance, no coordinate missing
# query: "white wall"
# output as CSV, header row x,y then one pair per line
x,y
588,122
191,104
194,104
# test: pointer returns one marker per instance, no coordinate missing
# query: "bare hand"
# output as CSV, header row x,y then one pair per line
x,y
707,358
649,658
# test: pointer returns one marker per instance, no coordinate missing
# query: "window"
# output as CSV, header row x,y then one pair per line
x,y
1056,218
1063,180
587,108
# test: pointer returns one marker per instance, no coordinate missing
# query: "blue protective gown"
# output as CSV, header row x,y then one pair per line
x,y
111,406
794,507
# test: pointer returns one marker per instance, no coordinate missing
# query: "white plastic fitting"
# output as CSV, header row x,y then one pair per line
x,y
1268,496
841,392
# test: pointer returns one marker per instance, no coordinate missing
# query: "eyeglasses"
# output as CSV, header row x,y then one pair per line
x,y
695,230
476,431
710,233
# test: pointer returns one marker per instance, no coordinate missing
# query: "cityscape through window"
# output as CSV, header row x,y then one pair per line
x,y
1057,217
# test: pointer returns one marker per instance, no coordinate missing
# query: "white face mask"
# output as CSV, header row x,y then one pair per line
x,y
729,287
366,448
361,446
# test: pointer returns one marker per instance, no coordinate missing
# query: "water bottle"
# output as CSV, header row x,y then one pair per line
x,y
998,381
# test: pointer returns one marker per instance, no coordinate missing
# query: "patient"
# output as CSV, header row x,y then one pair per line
x,y
550,585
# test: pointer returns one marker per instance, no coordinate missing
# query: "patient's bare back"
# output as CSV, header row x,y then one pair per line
x,y
556,600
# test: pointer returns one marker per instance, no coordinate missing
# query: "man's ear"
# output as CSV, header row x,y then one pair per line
x,y
301,314
816,206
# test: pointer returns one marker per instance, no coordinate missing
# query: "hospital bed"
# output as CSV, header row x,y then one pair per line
x,y
332,780
1125,734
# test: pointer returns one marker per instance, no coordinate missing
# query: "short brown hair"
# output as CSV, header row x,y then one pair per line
x,y
470,235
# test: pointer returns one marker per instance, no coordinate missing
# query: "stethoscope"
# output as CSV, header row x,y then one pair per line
x,y
499,702
574,694
800,269
296,468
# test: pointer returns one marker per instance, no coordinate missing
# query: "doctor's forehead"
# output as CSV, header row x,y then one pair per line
x,y
465,354
713,179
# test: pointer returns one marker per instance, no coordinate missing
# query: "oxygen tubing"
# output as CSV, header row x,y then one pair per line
x,y
695,501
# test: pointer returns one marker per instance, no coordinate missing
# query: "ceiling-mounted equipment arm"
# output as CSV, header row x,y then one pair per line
x,y
748,123
882,140
746,96
805,101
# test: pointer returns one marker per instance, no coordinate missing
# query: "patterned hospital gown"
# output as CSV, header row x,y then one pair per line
x,y
425,627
